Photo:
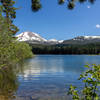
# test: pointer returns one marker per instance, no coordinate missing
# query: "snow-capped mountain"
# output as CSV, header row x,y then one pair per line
x,y
86,37
30,36
34,38
83,40
53,41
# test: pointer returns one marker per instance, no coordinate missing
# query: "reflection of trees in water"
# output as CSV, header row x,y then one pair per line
x,y
8,83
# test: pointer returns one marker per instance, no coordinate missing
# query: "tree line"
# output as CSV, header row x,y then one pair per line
x,y
93,48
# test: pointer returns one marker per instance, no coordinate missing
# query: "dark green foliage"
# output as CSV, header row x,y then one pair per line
x,y
61,1
92,1
8,8
74,92
36,5
8,83
91,80
9,12
81,1
93,48
11,51
71,5
9,80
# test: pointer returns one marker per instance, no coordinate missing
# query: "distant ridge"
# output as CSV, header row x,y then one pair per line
x,y
83,40
35,38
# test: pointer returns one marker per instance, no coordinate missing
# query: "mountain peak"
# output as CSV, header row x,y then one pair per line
x,y
35,38
30,36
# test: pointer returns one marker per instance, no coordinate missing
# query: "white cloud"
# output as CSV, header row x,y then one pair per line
x,y
88,6
98,26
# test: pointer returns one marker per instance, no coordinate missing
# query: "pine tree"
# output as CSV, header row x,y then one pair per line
x,y
9,12
36,4
9,47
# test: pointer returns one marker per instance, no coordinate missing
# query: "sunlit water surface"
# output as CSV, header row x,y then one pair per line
x,y
47,77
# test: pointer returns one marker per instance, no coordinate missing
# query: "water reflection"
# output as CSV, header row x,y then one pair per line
x,y
51,64
43,77
8,83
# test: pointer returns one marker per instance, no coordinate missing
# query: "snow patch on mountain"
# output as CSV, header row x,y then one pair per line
x,y
35,38
61,41
53,40
30,36
86,38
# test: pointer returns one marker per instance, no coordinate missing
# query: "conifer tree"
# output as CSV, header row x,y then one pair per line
x,y
9,12
9,47
36,4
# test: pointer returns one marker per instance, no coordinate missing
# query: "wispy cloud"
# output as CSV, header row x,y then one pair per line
x,y
98,26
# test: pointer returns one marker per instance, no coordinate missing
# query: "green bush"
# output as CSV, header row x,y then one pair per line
x,y
22,50
11,51
91,80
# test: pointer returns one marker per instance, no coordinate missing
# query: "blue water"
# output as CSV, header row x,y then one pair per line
x,y
47,77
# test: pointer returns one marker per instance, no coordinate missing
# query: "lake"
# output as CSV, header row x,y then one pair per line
x,y
44,77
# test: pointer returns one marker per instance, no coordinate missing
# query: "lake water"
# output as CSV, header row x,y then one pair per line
x,y
47,77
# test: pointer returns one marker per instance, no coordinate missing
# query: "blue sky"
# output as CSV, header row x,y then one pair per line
x,y
56,21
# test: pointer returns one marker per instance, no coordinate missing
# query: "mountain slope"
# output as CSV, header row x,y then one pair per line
x,y
30,37
83,40
34,38
26,36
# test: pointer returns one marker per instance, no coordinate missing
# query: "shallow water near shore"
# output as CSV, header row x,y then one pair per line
x,y
45,77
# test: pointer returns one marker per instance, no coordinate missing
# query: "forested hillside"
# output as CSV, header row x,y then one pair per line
x,y
93,48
